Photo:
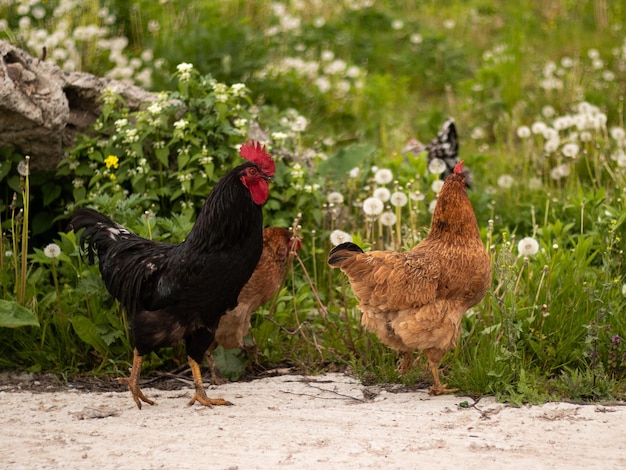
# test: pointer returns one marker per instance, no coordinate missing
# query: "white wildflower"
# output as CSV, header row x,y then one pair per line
x,y
416,38
523,132
528,246
22,168
505,181
373,206
354,173
436,186
52,250
398,199
383,176
617,133
382,193
551,145
334,197
299,124
432,205
337,237
477,133
417,196
184,67
570,150
388,218
548,111
437,166
538,128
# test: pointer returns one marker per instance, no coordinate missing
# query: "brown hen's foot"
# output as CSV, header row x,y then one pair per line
x,y
441,390
438,388
215,375
200,395
131,381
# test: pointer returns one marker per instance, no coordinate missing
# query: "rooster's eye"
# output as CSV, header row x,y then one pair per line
x,y
253,172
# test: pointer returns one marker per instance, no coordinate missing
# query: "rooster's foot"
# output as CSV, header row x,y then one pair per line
x,y
201,398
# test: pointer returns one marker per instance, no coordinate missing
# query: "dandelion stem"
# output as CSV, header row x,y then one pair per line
x,y
24,252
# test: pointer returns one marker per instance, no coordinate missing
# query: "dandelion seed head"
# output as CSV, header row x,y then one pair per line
x,y
436,186
548,111
570,150
382,193
52,250
334,197
373,206
538,128
22,168
505,181
398,199
617,133
383,176
432,205
523,132
437,166
416,38
528,246
388,218
337,237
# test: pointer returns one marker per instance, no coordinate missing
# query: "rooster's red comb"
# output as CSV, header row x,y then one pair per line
x,y
458,168
255,152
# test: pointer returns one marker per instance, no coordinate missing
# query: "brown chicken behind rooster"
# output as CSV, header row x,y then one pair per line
x,y
278,244
415,300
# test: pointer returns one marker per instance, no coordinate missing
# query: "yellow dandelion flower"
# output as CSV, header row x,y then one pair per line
x,y
111,161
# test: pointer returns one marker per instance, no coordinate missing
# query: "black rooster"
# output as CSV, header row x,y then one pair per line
x,y
179,292
445,146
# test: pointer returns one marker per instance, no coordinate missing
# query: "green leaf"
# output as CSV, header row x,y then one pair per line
x,y
230,363
87,331
13,315
163,155
51,192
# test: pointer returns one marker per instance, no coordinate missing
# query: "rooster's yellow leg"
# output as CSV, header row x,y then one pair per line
x,y
200,395
131,381
438,388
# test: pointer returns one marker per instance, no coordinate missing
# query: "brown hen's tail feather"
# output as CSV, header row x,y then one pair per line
x,y
342,252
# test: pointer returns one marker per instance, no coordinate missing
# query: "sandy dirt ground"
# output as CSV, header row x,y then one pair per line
x,y
291,421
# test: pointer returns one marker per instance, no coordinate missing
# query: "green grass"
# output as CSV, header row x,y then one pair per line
x,y
365,79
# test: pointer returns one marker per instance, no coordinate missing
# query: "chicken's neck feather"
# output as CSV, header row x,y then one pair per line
x,y
227,217
454,216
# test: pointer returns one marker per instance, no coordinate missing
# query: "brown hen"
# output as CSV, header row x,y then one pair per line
x,y
415,300
278,243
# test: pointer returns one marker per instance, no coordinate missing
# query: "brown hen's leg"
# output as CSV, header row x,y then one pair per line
x,y
434,356
131,381
215,375
200,395
405,363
